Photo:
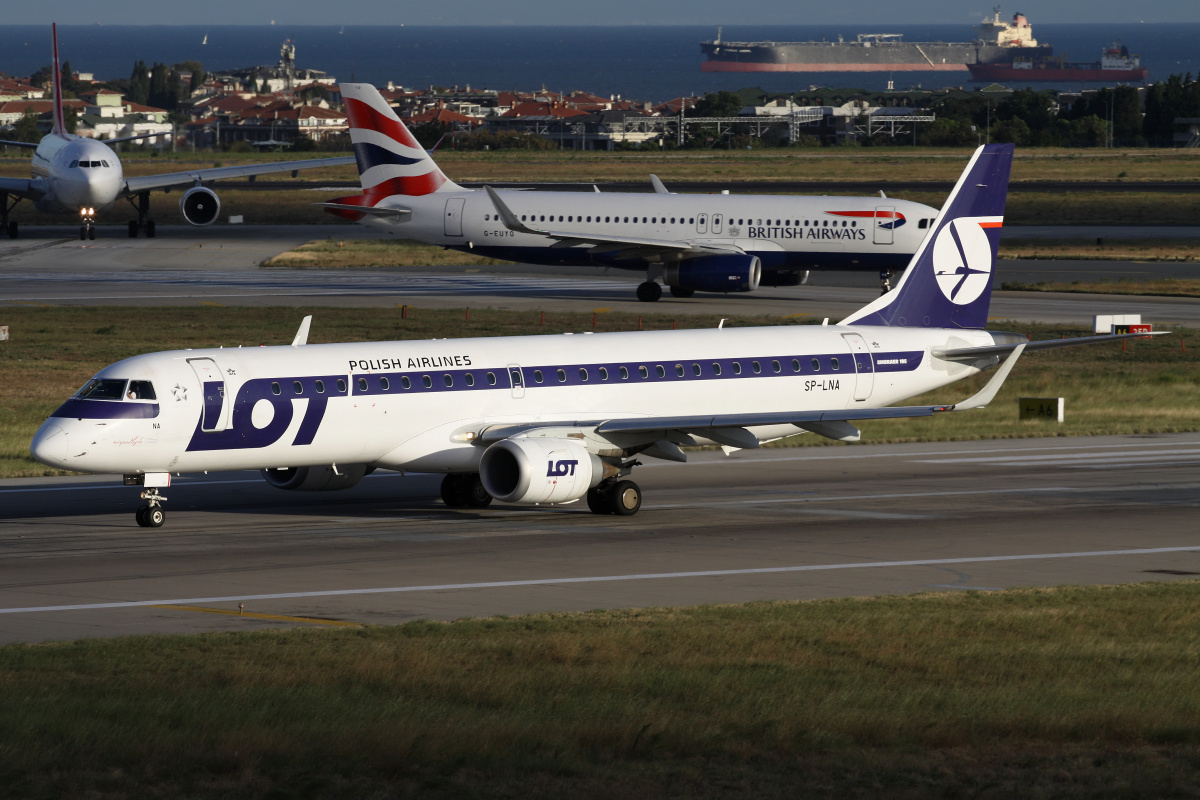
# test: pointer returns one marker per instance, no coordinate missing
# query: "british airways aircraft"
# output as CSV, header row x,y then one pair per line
x,y
551,419
691,242
81,176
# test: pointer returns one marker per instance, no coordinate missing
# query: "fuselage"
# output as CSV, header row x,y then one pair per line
x,y
78,173
407,404
784,232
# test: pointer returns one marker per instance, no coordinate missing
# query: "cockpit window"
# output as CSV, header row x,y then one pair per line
x,y
140,390
84,164
73,164
102,389
104,162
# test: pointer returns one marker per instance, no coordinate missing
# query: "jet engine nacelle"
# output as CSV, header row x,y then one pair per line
x,y
200,206
316,479
531,470
724,273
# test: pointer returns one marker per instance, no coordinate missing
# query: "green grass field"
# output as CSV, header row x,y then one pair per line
x,y
1149,387
1066,693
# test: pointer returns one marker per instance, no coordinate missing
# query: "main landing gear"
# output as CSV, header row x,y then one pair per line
x,y
464,490
6,225
620,497
152,514
885,281
649,291
142,224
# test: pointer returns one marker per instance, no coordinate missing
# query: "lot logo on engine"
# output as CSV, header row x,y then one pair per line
x,y
557,469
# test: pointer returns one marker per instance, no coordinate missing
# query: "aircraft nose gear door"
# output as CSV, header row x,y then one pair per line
x,y
885,224
864,382
215,415
454,210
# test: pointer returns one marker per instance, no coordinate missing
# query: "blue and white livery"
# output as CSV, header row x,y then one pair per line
x,y
550,419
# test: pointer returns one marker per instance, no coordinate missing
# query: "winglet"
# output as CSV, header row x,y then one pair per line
x,y
988,392
506,215
302,334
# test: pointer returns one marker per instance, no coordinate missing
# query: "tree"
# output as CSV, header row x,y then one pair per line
x,y
70,118
717,104
26,129
43,77
139,84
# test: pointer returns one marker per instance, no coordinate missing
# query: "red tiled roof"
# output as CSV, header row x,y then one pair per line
x,y
443,115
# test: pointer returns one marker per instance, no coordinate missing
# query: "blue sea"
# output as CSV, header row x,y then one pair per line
x,y
642,63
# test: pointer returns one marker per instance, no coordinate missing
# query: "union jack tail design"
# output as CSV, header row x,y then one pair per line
x,y
390,160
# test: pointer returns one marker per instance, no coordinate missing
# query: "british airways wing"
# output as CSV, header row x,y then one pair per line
x,y
81,176
712,243
548,419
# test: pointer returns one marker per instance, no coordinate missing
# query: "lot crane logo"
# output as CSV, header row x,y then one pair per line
x,y
962,261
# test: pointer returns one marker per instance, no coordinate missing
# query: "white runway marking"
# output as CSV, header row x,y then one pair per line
x,y
716,573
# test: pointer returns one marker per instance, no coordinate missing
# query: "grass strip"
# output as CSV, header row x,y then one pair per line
x,y
1145,386
1162,287
1065,692
1181,250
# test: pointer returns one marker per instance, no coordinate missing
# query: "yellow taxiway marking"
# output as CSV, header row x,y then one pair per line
x,y
601,310
208,303
233,612
789,316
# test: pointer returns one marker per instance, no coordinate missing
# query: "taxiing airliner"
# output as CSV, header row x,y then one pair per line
x,y
81,176
690,242
551,419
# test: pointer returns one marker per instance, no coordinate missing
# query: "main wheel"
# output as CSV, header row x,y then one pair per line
x,y
678,291
133,229
453,491
12,230
140,516
155,517
477,496
625,498
598,502
649,291
149,229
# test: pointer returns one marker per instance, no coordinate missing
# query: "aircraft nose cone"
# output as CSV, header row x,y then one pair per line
x,y
51,446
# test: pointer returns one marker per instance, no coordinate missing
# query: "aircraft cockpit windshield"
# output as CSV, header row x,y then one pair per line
x,y
87,164
113,389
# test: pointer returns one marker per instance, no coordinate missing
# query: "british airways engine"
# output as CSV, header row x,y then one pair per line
x,y
551,419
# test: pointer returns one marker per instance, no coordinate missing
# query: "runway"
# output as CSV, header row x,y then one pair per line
x,y
188,266
781,523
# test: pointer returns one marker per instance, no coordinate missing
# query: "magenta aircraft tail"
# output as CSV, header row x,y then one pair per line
x,y
60,125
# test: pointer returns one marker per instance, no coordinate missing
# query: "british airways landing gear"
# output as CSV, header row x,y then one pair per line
x,y
649,291
885,281
464,490
152,514
8,226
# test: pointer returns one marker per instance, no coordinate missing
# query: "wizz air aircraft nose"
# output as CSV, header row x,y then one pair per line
x,y
51,446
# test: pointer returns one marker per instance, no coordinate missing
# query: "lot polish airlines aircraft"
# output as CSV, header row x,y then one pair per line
x,y
76,175
691,242
551,419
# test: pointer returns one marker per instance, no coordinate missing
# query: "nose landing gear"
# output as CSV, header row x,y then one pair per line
x,y
88,229
152,514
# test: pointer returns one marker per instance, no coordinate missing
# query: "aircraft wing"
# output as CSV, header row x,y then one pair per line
x,y
30,188
191,177
9,143
730,430
972,353
629,246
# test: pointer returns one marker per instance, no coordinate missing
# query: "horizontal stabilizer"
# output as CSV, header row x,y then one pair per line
x,y
971,353
374,212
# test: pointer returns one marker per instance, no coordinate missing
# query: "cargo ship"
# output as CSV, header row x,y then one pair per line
x,y
999,42
1115,65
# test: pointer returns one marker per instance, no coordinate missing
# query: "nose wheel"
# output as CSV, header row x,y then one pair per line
x,y
152,514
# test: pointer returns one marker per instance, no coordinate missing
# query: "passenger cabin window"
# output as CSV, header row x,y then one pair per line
x,y
491,379
405,382
645,373
470,379
274,388
141,390
297,387
102,389
320,387
341,384
537,376
362,384
384,384
427,381
603,374
833,364
816,365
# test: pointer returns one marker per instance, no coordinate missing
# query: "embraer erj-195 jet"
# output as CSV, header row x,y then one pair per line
x,y
691,242
550,419
76,175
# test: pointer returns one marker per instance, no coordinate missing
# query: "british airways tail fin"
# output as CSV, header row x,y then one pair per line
x,y
390,160
948,283
60,125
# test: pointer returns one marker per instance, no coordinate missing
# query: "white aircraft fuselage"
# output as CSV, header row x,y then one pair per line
x,y
78,173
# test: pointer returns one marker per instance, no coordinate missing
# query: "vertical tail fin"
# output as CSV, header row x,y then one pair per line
x,y
948,283
60,125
